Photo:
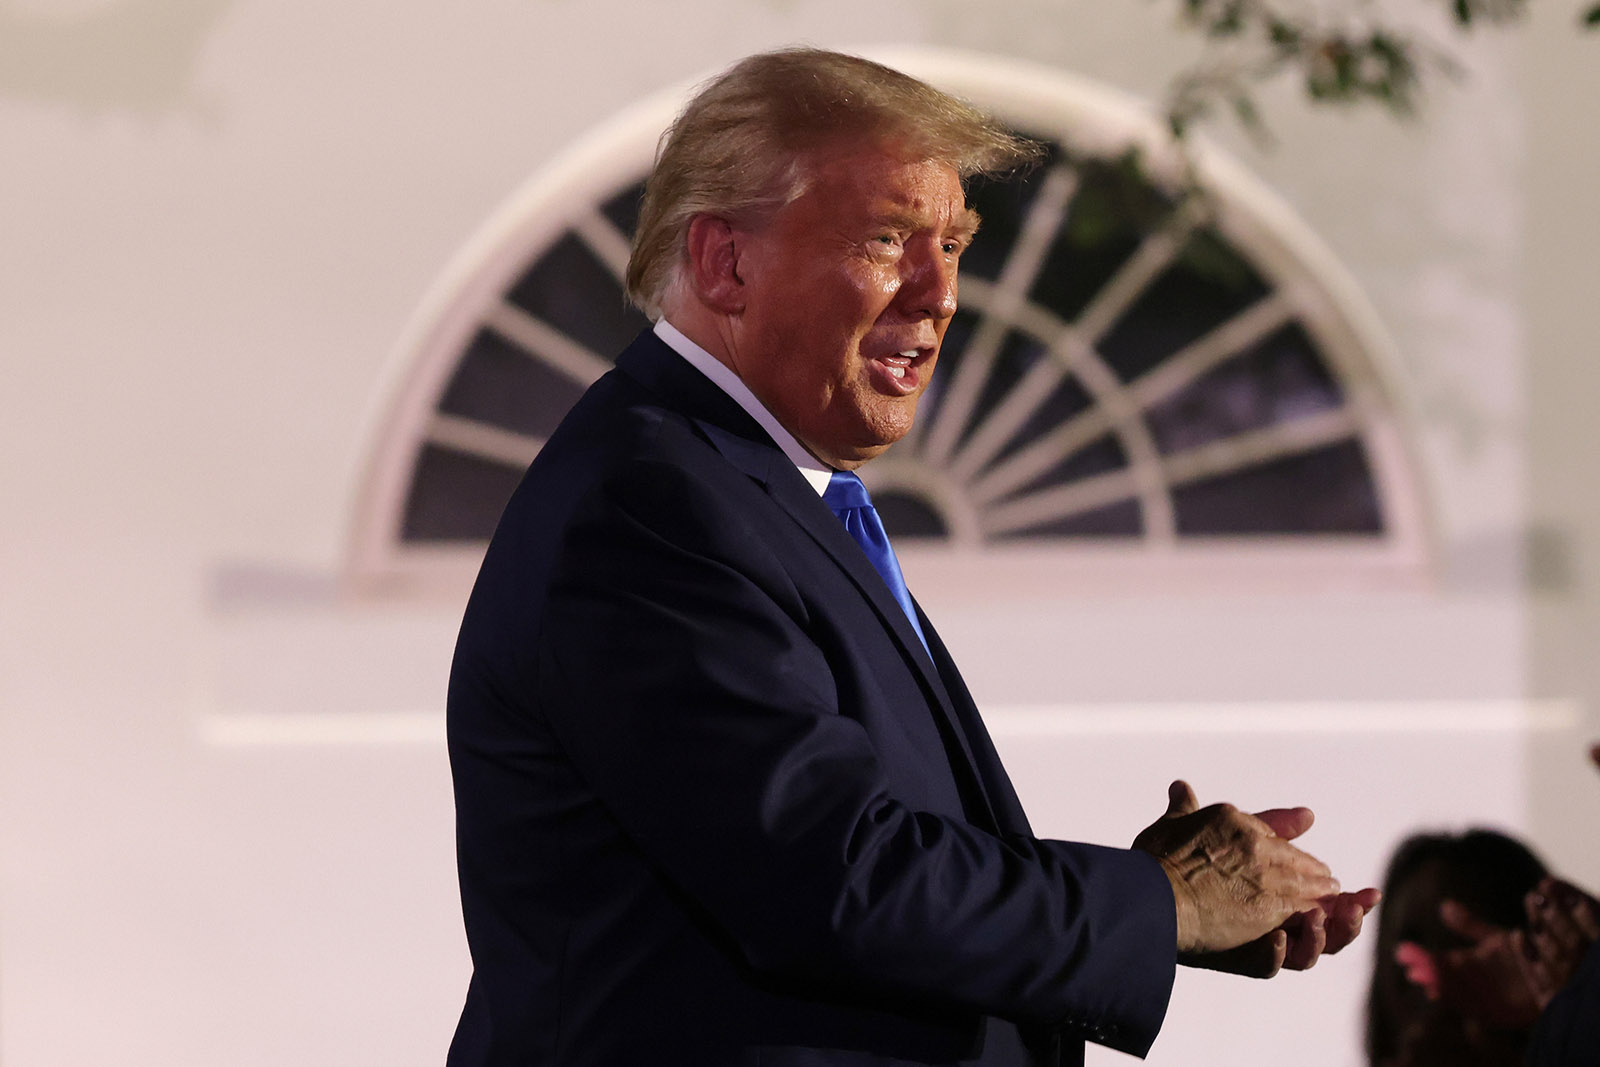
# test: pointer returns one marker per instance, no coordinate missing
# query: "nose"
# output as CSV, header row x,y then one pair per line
x,y
928,285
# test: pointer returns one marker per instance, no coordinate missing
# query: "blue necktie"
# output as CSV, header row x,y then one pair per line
x,y
848,499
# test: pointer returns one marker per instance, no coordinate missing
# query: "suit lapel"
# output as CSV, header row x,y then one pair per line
x,y
807,509
740,439
652,363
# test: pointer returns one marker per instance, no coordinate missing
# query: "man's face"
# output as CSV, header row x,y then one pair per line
x,y
848,292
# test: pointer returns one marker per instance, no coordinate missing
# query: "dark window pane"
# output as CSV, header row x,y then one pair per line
x,y
1018,353
623,209
1065,400
1326,491
1003,205
907,515
455,497
1279,380
573,291
497,382
1106,221
951,353
1100,456
1207,285
1114,520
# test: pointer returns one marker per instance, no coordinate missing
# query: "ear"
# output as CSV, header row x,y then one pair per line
x,y
713,248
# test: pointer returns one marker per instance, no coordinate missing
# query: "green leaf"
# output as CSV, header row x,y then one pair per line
x,y
1386,48
1244,109
1591,18
1344,70
1231,23
1463,11
1283,34
1228,24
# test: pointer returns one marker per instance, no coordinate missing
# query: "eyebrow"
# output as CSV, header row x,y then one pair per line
x,y
965,222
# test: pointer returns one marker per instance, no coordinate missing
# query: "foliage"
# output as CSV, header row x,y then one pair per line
x,y
1344,60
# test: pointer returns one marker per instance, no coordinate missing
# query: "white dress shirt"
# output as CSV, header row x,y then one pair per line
x,y
816,472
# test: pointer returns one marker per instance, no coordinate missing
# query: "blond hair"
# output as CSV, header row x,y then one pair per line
x,y
735,150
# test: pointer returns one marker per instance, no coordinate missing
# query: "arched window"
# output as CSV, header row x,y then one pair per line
x,y
1153,385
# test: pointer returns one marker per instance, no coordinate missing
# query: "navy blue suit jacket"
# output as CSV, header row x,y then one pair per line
x,y
716,803
1568,1033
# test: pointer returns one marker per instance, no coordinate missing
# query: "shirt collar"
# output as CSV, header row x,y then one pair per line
x,y
722,376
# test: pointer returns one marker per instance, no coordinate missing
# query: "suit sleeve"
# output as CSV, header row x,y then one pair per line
x,y
1568,1032
675,666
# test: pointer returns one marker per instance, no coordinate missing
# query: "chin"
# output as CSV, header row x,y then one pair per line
x,y
872,451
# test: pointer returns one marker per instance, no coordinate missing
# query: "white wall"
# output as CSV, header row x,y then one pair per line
x,y
226,826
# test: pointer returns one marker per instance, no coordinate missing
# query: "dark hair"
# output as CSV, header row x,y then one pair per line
x,y
1487,872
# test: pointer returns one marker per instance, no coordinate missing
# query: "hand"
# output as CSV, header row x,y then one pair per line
x,y
1485,981
1329,928
1237,884
1563,921
1334,923
1507,977
1305,936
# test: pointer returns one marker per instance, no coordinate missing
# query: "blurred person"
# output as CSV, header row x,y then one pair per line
x,y
1535,973
1431,878
722,796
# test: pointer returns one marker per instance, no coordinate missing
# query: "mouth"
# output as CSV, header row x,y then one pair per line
x,y
900,373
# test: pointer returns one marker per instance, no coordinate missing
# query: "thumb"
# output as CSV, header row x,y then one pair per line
x,y
1287,823
1181,799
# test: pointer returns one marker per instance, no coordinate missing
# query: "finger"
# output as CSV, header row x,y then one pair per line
x,y
1556,936
1287,823
1307,933
1576,908
1295,873
1587,918
1546,906
1457,918
1420,968
1551,923
1346,912
1534,973
1554,890
1547,945
1275,947
1283,824
1181,799
1364,899
1261,958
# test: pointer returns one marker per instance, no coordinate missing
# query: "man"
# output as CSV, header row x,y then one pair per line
x,y
722,796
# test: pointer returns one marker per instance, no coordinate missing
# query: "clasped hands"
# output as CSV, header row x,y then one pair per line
x,y
1506,977
1248,901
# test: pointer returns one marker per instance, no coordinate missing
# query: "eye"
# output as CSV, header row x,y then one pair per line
x,y
955,244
